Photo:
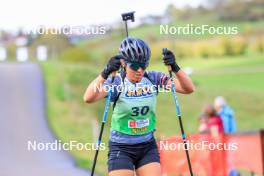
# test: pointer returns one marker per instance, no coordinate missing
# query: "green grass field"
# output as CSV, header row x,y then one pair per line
x,y
239,79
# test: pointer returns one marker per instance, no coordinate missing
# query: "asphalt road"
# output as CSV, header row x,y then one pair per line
x,y
23,119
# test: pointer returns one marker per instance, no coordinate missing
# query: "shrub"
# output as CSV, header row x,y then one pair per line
x,y
234,46
259,45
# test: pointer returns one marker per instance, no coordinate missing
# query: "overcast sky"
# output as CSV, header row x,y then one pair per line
x,y
32,13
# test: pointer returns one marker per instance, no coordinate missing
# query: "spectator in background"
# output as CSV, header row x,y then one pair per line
x,y
203,126
216,131
215,124
226,114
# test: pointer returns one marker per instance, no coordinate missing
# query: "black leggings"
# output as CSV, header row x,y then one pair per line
x,y
132,156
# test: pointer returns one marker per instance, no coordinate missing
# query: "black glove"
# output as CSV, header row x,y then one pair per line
x,y
112,65
169,59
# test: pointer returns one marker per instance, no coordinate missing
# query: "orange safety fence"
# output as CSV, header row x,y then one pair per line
x,y
211,156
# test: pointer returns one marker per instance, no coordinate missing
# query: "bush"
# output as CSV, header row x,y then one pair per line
x,y
234,46
184,49
204,48
259,45
156,49
209,48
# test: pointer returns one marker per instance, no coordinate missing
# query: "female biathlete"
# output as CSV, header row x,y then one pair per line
x,y
132,146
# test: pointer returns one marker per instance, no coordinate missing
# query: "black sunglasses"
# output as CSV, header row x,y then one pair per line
x,y
136,66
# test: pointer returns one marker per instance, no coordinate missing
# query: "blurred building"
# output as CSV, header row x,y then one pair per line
x,y
21,41
3,53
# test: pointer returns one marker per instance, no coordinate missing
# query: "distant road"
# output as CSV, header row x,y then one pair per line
x,y
22,119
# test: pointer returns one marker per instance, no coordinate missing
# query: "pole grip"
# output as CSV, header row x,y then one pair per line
x,y
164,51
115,72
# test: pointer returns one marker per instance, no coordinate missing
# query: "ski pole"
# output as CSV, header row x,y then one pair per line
x,y
102,125
179,115
125,17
